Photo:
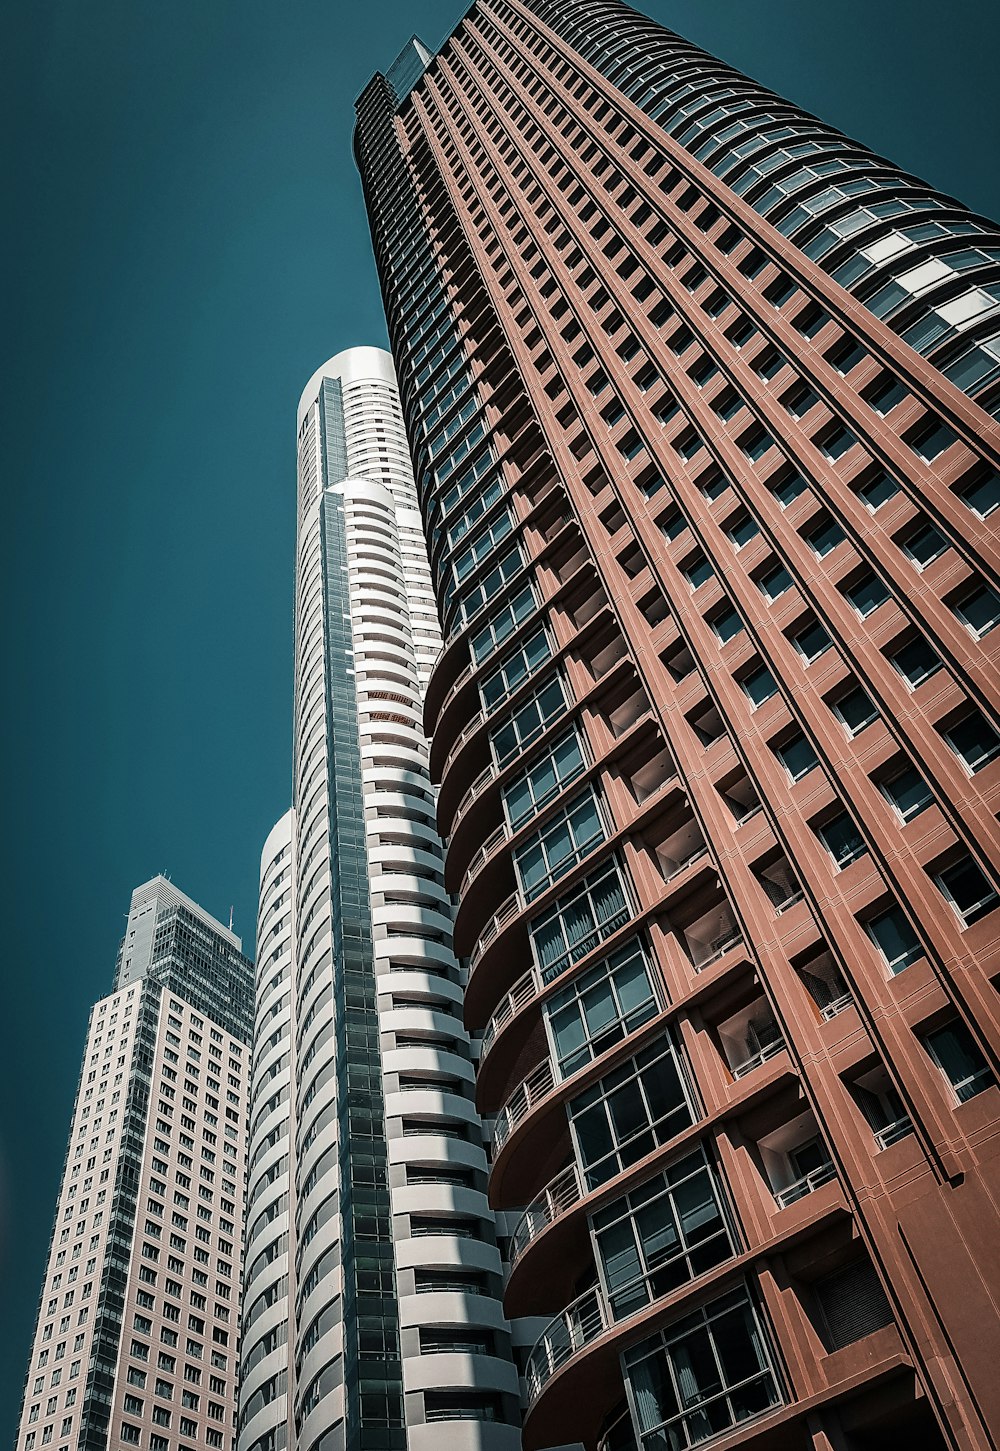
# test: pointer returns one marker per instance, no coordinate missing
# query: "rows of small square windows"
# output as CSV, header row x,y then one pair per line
x,y
977,608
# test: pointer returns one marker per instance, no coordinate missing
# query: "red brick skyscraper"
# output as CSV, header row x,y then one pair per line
x,y
701,400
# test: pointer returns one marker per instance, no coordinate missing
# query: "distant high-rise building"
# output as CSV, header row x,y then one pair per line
x,y
701,396
137,1340
373,1278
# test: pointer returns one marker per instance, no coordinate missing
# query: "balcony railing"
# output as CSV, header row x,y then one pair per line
x,y
837,1006
892,1133
478,786
499,920
486,850
560,1194
569,1332
526,987
470,729
801,1187
525,1096
717,948
761,1056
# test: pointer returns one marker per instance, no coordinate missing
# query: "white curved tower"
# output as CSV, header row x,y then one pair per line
x,y
264,1404
392,1284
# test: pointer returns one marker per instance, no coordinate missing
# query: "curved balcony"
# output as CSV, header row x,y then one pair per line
x,y
482,856
473,792
575,1327
505,913
527,1093
559,1194
528,986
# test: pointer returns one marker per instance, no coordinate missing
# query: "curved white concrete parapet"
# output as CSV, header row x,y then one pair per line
x,y
369,519
464,1436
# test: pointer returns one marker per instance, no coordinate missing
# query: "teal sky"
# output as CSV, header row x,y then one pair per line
x,y
184,244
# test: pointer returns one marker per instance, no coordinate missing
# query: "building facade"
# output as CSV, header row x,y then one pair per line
x,y
372,1298
137,1339
701,400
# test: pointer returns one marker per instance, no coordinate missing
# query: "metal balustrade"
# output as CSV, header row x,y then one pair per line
x,y
801,1187
485,851
470,729
525,988
560,1194
837,1006
892,1133
577,1326
525,1096
478,786
740,1070
507,910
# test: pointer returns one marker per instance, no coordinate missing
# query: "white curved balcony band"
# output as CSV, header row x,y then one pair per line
x,y
528,986
578,1325
560,1194
504,914
805,1185
527,1093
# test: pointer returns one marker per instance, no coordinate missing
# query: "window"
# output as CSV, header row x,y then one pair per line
x,y
866,592
529,721
799,399
923,545
842,840
835,442
551,851
973,740
846,355
580,921
759,685
824,536
967,889
895,938
960,1059
877,489
854,710
907,790
491,584
916,661
697,570
661,1235
726,623
885,394
476,552
701,1375
755,442
600,1008
797,756
930,438
523,797
979,610
981,493
630,1111
774,582
812,642
503,623
786,486
742,529
515,669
